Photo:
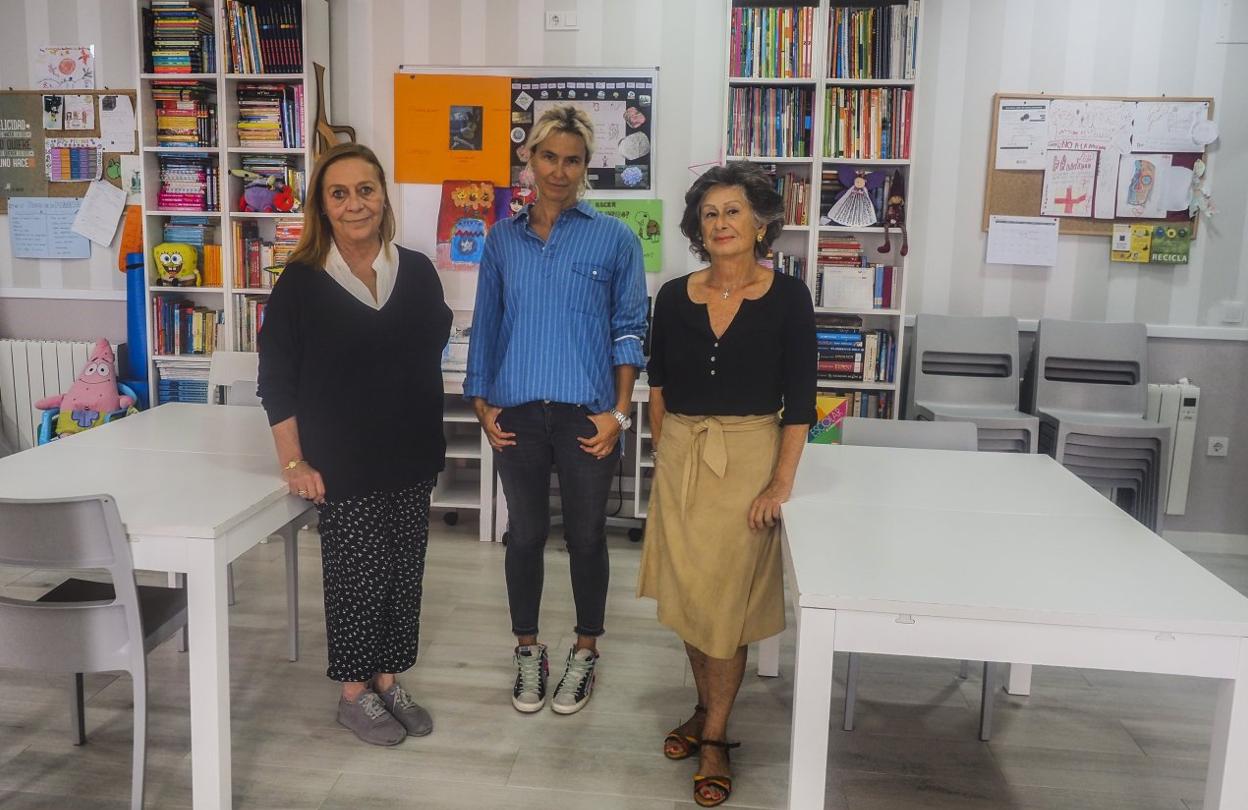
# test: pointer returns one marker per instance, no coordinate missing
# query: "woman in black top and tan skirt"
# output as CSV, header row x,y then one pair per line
x,y
351,378
732,396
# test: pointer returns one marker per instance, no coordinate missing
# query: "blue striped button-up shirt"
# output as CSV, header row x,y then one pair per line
x,y
554,318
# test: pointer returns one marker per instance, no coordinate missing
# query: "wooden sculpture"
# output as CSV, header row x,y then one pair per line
x,y
326,134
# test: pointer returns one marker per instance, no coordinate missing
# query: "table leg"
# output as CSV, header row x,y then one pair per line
x,y
812,702
208,622
1226,785
1019,681
769,657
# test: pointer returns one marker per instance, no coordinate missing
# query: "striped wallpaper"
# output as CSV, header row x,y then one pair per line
x,y
972,49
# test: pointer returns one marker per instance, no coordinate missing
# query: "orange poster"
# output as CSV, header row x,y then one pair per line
x,y
448,127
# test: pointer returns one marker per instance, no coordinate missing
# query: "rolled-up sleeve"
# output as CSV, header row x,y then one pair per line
x,y
628,304
278,383
487,316
801,360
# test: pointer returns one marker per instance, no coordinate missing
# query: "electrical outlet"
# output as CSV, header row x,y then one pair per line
x,y
1218,445
561,21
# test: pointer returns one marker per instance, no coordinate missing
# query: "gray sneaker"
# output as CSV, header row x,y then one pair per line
x,y
577,684
401,706
368,718
532,669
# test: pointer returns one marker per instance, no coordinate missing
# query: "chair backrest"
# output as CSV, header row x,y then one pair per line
x,y
970,361
69,534
229,369
1090,366
242,392
856,430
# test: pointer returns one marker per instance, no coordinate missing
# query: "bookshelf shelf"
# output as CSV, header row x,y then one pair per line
x,y
167,76
264,77
228,311
263,214
186,150
786,81
855,38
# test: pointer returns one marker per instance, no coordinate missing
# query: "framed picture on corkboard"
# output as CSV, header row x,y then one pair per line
x,y
1092,161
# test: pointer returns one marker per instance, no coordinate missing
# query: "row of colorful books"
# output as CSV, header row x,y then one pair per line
x,y
188,183
264,37
867,123
770,121
182,327
270,115
186,112
772,43
787,264
248,319
257,261
181,381
832,406
182,38
855,353
203,235
795,191
873,43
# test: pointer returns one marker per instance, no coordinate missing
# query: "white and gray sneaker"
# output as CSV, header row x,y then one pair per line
x,y
368,718
532,671
577,684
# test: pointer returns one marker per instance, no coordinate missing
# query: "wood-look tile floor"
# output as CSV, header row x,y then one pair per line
x,y
1084,739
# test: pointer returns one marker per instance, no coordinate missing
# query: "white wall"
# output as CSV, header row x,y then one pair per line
x,y
974,48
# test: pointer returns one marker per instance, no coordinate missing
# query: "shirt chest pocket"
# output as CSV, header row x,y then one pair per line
x,y
589,288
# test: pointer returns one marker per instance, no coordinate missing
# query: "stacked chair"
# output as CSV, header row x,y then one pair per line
x,y
1088,385
966,370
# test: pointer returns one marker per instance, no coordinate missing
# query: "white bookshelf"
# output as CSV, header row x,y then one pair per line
x,y
228,153
803,240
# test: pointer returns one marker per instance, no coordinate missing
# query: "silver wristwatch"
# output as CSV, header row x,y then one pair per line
x,y
622,418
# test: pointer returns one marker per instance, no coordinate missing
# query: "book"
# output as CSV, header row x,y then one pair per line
x,y
770,121
873,42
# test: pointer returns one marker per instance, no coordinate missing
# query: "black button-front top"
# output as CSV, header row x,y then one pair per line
x,y
765,360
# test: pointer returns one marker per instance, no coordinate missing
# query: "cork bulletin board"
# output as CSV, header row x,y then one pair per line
x,y
1020,192
23,137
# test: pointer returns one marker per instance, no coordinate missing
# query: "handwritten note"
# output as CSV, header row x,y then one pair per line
x,y
1069,181
1090,124
101,210
1171,126
39,228
1022,240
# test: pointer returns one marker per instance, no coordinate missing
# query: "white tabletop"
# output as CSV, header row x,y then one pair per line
x,y
1089,567
155,465
942,480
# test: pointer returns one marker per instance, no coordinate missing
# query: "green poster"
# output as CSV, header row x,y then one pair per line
x,y
1171,244
644,218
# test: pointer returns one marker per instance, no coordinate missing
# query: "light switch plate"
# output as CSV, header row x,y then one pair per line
x,y
561,21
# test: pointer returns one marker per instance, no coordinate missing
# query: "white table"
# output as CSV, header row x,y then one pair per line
x,y
190,508
995,557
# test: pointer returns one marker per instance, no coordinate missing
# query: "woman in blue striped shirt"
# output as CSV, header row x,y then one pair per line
x,y
556,345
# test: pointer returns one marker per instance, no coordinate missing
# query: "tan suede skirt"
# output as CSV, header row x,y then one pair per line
x,y
719,584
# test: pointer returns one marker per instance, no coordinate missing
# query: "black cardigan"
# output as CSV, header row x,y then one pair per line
x,y
365,385
764,361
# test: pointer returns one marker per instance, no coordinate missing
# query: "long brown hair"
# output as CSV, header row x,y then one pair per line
x,y
317,236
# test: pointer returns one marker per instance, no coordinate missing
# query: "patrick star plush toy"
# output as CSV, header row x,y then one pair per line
x,y
92,396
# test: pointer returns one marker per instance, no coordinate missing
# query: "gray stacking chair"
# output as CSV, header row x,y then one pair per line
x,y
82,626
924,436
966,370
1088,385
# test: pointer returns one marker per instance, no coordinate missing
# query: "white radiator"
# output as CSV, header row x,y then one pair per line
x,y
31,370
1176,405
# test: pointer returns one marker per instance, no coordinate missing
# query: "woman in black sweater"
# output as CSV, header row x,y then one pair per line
x,y
350,376
732,395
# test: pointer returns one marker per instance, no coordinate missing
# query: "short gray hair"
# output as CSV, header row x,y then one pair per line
x,y
569,119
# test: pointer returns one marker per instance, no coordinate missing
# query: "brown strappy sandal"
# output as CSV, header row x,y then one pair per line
x,y
722,785
688,744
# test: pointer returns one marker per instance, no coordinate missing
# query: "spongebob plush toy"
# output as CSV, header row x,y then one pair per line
x,y
176,265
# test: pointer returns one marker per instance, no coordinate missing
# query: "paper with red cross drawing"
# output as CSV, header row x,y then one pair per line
x,y
1069,183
